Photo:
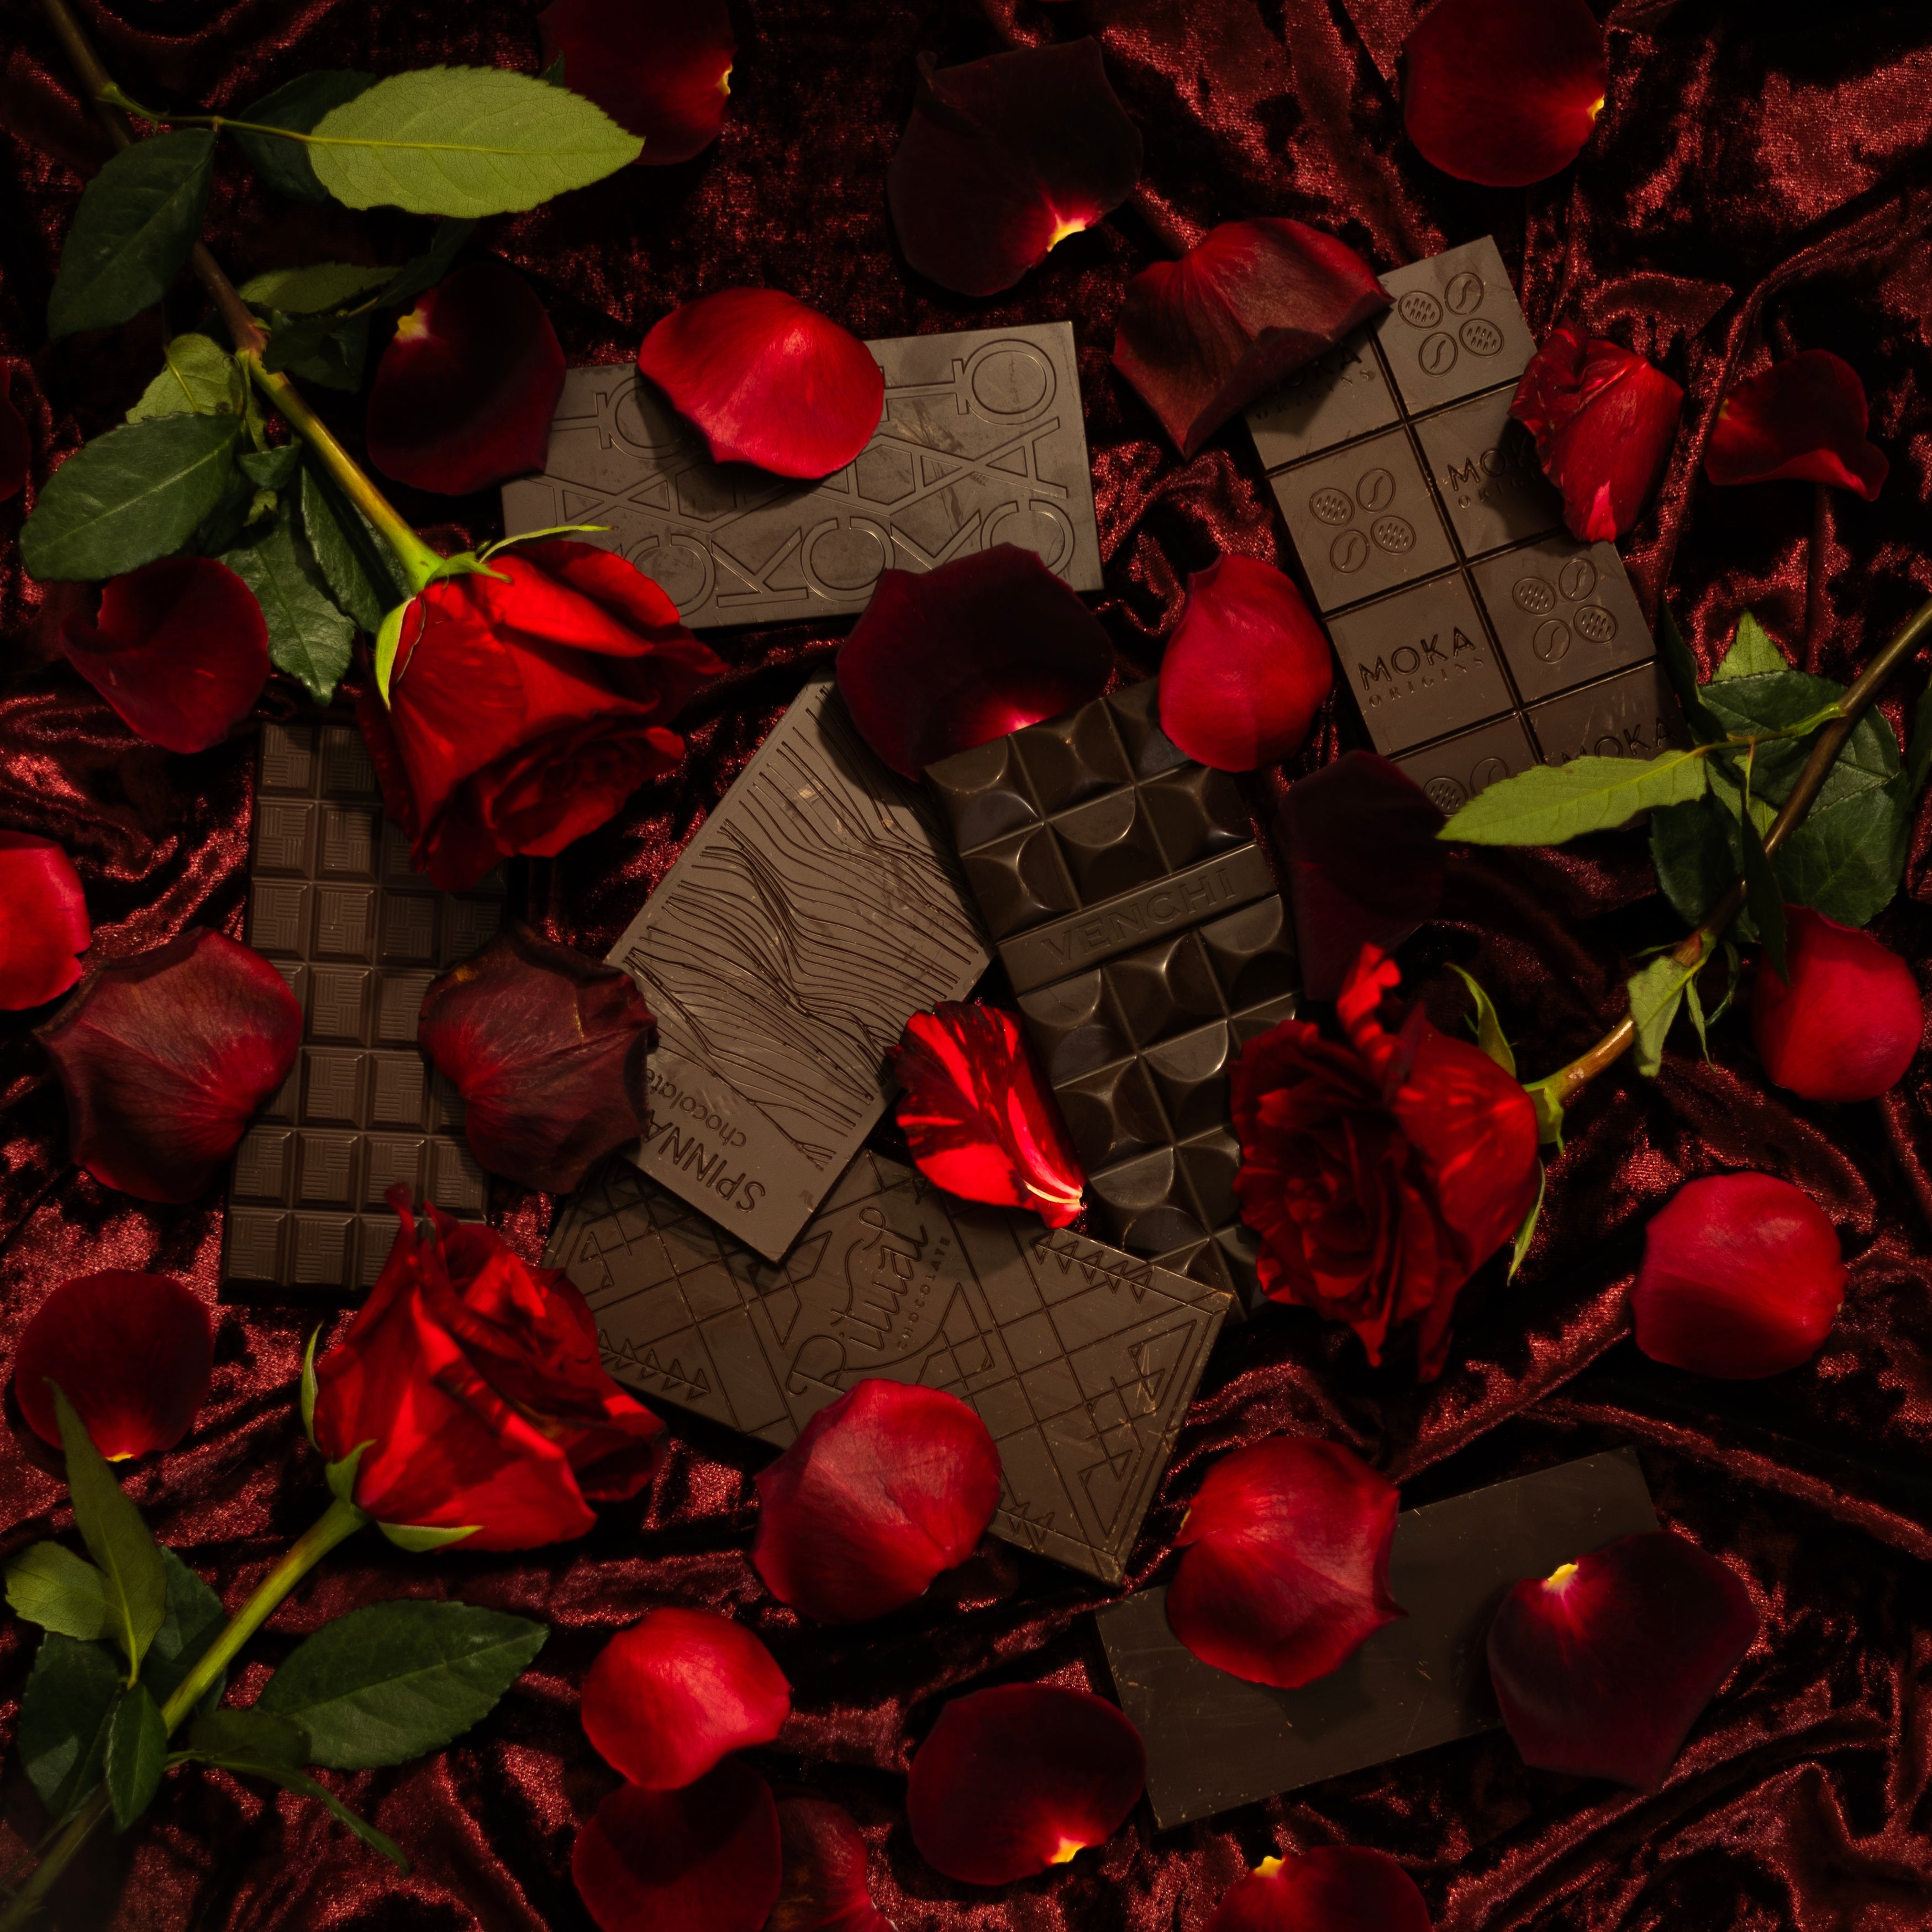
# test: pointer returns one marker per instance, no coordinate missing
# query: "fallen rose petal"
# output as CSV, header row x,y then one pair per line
x,y
43,921
180,649
703,1859
133,1353
948,659
767,380
163,1056
1848,1024
1286,1568
16,449
1603,1666
1805,417
1203,336
884,1489
1005,157
825,1887
1332,1888
661,69
1014,1780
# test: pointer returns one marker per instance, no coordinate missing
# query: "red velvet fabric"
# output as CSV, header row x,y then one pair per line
x,y
1760,179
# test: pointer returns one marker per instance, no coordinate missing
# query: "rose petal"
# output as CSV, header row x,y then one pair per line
x,y
1005,157
884,1489
180,649
163,1056
1332,1888
1602,1666
703,1859
1202,337
132,1352
465,389
1805,417
43,921
951,658
825,1887
1503,92
662,69
1014,1780
1286,1569
16,449
1848,1024
767,380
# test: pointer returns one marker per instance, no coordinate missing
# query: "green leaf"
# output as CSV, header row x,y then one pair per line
x,y
283,165
128,1557
65,1713
132,231
1763,895
395,1680
1753,706
324,348
1526,1233
322,285
1848,862
355,562
48,1585
1489,1035
465,141
1752,654
552,75
1693,1004
194,1619
308,637
254,1733
425,270
272,469
137,1754
1550,803
199,377
1699,853
1680,667
1656,992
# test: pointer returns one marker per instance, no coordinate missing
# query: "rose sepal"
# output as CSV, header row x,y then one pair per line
x,y
416,1538
491,549
340,1477
310,1387
419,1537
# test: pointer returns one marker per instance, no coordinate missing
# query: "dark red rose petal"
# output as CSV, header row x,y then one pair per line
x,y
825,1887
16,449
1333,1888
180,649
1805,417
1246,669
1203,336
954,657
1848,1024
1603,1666
703,1859
43,921
1286,1568
1014,1780
978,1119
662,69
767,380
466,387
1005,157
132,1352
1503,92
884,1489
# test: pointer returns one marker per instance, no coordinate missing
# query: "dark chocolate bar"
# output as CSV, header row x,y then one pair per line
x,y
982,442
1214,1741
1081,1361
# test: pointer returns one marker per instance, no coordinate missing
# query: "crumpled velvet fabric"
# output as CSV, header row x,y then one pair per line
x,y
1759,180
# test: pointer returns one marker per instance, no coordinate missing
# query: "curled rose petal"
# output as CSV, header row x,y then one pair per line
x,y
661,69
1848,1024
43,921
132,1352
951,658
465,389
1805,417
163,1056
767,380
1005,157
703,1859
16,449
884,1489
180,649
825,1887
1332,1888
978,1119
546,1049
1203,336
1603,1666
1014,1780
1246,669
1286,1568
1503,92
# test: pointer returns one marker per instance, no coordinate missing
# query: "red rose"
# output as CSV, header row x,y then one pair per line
x,y
524,710
1849,1023
1382,1170
474,1381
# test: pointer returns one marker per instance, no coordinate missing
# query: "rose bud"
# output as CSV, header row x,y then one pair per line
x,y
884,1489
16,449
1603,1666
132,1352
767,381
1014,1780
475,1382
1381,1171
163,1056
1742,1277
824,1888
662,69
179,648
43,921
522,713
1804,418
1332,1888
1847,1023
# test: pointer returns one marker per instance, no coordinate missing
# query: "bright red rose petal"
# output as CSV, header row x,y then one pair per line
x,y
1333,1888
16,449
703,1859
180,649
951,658
1805,417
767,380
884,1489
43,921
978,1119
163,1056
1014,1780
1005,157
825,1887
1203,336
1849,1023
1603,1666
132,1352
662,69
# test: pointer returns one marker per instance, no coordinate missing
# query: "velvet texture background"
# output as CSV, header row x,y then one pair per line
x,y
1758,180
